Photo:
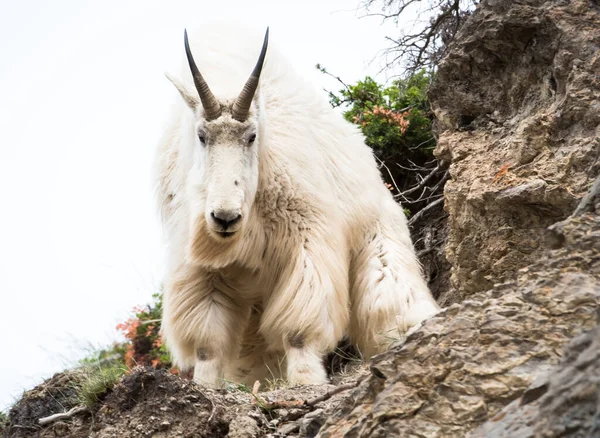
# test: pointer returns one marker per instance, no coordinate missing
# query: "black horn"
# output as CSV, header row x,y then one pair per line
x,y
209,101
241,106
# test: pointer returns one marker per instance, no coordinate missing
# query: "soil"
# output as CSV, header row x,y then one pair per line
x,y
153,403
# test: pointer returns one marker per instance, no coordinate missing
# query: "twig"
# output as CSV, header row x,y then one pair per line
x,y
432,248
586,204
330,394
441,181
278,404
424,181
62,415
419,199
213,411
432,197
150,321
255,388
18,426
421,144
389,173
414,169
417,166
261,402
421,212
298,403
345,85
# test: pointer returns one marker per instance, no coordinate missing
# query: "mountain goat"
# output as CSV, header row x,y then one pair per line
x,y
282,237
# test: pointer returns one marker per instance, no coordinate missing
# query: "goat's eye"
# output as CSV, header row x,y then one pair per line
x,y
202,139
252,138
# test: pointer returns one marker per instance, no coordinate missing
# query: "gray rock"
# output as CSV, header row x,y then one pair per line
x,y
566,403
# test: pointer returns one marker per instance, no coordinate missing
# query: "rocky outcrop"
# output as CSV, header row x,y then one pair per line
x,y
566,402
517,100
463,366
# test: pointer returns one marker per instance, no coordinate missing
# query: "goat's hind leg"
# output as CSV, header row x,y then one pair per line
x,y
388,293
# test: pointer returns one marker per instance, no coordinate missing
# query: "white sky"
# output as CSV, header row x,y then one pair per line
x,y
82,101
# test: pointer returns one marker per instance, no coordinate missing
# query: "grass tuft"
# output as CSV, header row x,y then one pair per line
x,y
233,386
97,383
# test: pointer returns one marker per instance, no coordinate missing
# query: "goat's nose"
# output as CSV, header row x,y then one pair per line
x,y
225,218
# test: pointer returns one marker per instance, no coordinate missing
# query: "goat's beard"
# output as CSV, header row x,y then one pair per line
x,y
207,248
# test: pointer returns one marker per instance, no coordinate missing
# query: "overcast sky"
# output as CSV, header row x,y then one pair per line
x,y
82,102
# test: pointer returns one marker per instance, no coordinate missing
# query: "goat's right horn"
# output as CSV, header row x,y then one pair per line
x,y
241,106
209,101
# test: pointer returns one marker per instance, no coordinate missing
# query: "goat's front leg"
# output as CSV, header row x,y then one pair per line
x,y
305,362
308,311
216,341
202,324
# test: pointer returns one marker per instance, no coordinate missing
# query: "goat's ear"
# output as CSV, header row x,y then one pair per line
x,y
190,99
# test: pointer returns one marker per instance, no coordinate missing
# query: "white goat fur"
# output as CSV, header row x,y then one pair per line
x,y
324,251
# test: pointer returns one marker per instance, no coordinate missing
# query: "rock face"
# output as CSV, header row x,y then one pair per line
x,y
518,106
564,403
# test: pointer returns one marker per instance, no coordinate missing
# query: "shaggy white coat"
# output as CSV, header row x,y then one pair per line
x,y
324,251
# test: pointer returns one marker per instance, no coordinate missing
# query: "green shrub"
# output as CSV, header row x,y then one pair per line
x,y
397,123
395,119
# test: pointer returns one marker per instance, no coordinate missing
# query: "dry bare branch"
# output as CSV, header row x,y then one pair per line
x,y
421,212
424,46
62,415
331,393
424,181
389,173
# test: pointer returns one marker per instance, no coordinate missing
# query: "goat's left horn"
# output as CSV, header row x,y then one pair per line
x,y
209,101
241,106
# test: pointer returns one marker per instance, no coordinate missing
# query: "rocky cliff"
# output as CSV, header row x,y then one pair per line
x,y
516,352
517,102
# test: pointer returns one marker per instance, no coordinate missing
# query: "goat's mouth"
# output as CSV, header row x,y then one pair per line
x,y
226,234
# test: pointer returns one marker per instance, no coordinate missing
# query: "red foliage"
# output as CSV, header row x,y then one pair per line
x,y
145,345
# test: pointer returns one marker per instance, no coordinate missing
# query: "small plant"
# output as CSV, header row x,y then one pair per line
x,y
109,356
276,381
145,345
273,383
97,384
241,387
